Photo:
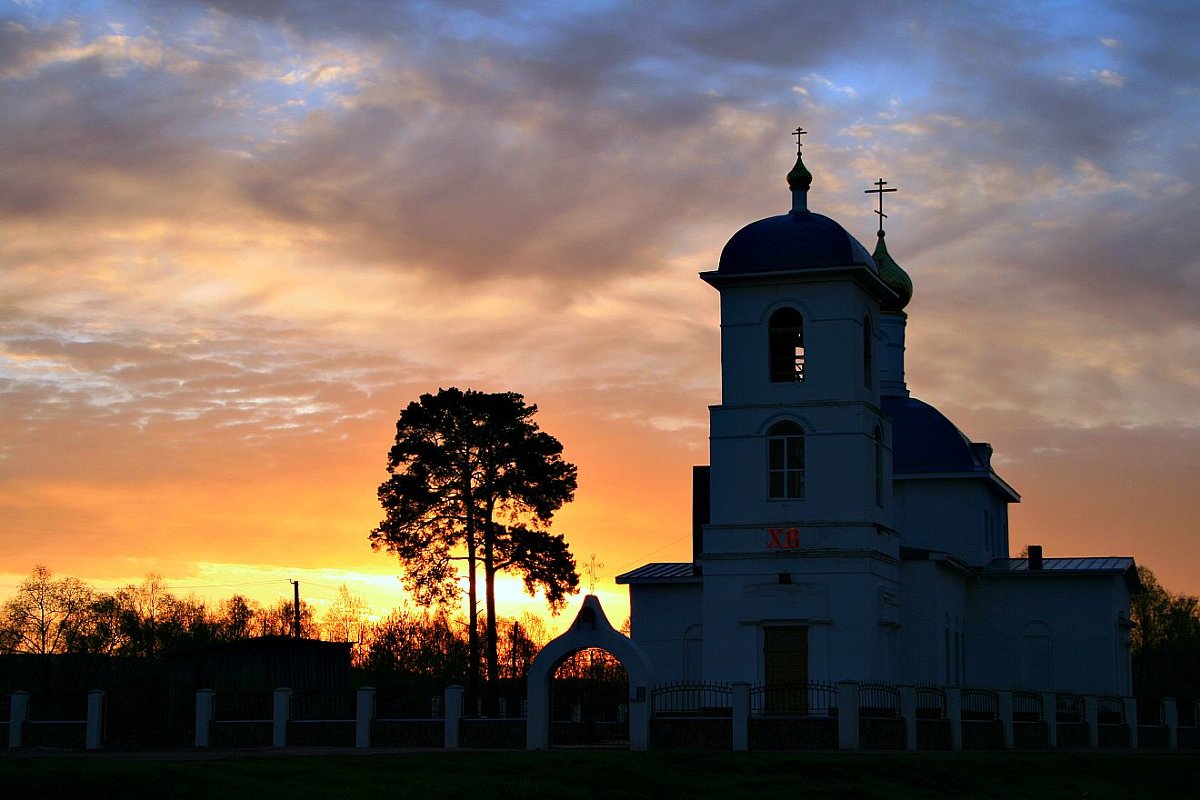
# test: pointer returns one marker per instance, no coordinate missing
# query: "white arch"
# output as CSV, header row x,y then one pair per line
x,y
591,628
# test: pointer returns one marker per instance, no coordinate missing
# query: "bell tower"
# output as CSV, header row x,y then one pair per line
x,y
800,458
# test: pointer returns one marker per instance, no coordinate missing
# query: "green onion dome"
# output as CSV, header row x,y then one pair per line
x,y
895,277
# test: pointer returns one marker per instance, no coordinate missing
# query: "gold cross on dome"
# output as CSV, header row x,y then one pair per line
x,y
879,191
592,570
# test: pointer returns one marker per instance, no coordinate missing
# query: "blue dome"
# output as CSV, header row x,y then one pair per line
x,y
923,440
793,241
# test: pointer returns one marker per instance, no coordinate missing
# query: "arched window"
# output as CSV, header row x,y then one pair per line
x,y
868,352
787,346
878,466
785,462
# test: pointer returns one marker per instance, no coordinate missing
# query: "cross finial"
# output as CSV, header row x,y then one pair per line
x,y
798,133
592,570
879,191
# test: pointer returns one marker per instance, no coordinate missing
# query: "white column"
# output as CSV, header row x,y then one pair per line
x,y
204,715
18,712
1091,715
1004,710
1131,720
954,713
95,719
1170,718
847,715
454,713
1050,717
741,716
908,710
537,715
364,713
639,718
279,721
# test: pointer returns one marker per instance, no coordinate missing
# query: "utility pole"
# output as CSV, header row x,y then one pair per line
x,y
296,609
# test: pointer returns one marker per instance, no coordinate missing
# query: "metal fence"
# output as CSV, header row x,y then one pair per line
x,y
878,701
1069,708
930,702
1110,710
980,704
242,706
416,703
328,706
58,707
794,700
692,700
1027,707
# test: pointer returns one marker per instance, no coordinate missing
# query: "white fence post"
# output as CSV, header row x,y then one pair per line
x,y
908,710
364,713
279,719
454,713
1170,718
847,694
639,718
1131,720
1091,713
741,716
1004,710
1050,717
95,719
204,715
18,712
954,714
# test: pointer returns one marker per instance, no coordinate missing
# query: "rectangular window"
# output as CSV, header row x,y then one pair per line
x,y
785,463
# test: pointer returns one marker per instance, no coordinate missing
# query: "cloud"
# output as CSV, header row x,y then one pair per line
x,y
239,236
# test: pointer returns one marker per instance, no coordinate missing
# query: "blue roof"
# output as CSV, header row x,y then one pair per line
x,y
794,241
924,440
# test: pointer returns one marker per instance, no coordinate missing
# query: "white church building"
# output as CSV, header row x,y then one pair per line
x,y
845,529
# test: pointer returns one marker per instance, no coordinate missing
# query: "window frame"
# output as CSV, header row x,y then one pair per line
x,y
785,462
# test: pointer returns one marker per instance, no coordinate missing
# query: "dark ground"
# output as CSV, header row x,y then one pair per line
x,y
581,775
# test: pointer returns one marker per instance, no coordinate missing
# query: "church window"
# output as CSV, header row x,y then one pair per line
x,y
785,462
786,334
868,353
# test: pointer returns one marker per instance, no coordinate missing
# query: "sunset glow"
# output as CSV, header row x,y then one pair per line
x,y
237,238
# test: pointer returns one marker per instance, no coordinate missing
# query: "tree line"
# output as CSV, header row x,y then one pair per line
x,y
50,615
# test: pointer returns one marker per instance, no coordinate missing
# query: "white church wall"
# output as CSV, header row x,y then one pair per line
x,y
833,316
839,465
663,618
959,516
1050,631
935,635
843,601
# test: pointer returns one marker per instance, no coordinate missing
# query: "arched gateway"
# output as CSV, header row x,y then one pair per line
x,y
591,628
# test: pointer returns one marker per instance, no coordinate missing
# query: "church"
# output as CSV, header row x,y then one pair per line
x,y
844,529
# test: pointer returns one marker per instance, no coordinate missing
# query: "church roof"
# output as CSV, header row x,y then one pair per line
x,y
924,440
660,572
797,240
1094,565
1108,564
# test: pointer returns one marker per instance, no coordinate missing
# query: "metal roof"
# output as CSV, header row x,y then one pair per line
x,y
1107,564
659,572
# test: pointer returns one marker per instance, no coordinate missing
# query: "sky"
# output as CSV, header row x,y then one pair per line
x,y
237,238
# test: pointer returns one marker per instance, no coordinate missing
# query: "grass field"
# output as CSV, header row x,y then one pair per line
x,y
582,775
